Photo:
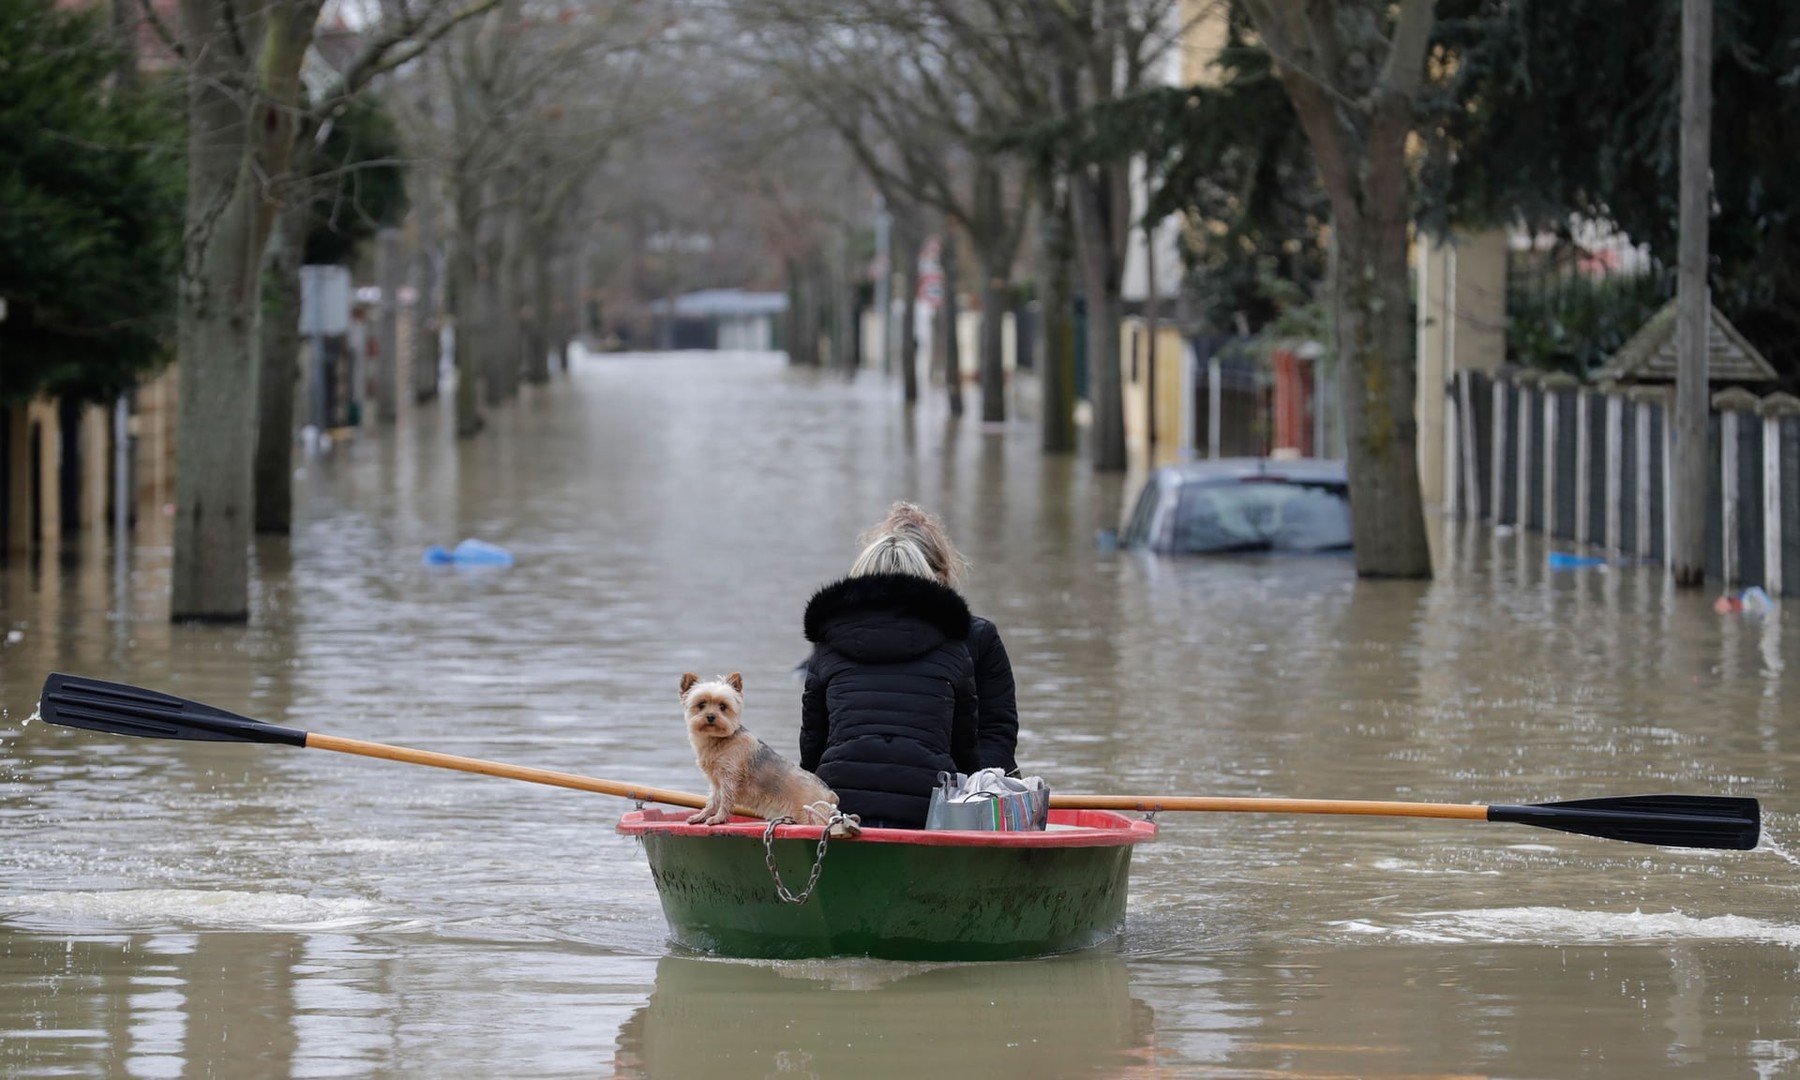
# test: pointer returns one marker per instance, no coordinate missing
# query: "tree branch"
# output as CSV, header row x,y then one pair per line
x,y
375,58
167,36
1405,67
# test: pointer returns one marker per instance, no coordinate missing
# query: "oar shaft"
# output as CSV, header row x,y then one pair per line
x,y
1148,803
315,741
1702,821
1732,823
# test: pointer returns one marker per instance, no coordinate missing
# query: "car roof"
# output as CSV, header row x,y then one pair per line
x,y
1234,469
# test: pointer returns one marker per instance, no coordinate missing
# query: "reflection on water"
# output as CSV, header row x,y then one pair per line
x,y
1066,1016
151,1004
191,908
1696,1009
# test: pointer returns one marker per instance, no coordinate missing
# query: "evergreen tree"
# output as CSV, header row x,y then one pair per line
x,y
1552,111
90,209
359,183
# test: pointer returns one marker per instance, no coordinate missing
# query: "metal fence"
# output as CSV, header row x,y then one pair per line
x,y
1589,467
1230,407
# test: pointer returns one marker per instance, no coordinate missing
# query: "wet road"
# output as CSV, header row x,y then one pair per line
x,y
193,909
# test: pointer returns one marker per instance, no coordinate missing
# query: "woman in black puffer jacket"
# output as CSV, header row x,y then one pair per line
x,y
997,718
890,688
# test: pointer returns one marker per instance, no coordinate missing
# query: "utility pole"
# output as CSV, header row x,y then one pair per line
x,y
1152,306
1687,492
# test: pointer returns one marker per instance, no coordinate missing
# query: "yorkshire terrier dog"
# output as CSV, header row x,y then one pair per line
x,y
742,769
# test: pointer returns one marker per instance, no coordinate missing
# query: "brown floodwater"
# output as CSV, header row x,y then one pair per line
x,y
178,909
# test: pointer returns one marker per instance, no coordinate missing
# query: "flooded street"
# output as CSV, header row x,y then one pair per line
x,y
178,909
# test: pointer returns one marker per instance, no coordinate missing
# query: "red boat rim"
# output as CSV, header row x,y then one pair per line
x,y
1068,828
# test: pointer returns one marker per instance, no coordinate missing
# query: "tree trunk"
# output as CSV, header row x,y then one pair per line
x,y
465,290
846,352
947,315
803,312
280,372
426,309
995,290
487,333
582,327
387,326
1378,382
539,322
1100,225
1056,334
499,296
906,235
215,441
215,323
994,254
243,93
509,320
1360,153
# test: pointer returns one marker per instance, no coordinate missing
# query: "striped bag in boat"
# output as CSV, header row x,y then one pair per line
x,y
989,800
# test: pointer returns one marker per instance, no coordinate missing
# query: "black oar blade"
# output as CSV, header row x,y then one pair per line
x,y
1699,821
119,709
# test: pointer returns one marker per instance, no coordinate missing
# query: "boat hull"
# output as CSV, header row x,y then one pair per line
x,y
891,893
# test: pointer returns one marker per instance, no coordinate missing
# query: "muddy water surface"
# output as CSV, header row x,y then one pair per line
x,y
194,909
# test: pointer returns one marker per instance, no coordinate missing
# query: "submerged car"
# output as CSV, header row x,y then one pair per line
x,y
1243,505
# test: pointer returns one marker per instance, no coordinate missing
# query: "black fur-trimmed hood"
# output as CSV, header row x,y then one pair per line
x,y
886,615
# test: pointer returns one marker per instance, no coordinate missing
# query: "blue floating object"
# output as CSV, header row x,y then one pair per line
x,y
481,553
1560,560
468,553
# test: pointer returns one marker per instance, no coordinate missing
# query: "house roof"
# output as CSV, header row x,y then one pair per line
x,y
1651,354
715,303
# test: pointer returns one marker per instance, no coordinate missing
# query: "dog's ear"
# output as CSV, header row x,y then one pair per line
x,y
688,679
736,680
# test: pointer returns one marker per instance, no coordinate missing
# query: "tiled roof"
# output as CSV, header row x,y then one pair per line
x,y
1651,354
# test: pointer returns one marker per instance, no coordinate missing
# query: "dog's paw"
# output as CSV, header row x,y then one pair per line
x,y
698,818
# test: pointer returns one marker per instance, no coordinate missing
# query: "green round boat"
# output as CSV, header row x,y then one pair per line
x,y
897,894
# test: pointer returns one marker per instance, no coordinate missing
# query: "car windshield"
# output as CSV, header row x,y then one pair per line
x,y
1261,515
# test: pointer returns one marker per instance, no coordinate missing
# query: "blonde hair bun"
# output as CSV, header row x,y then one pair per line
x,y
910,520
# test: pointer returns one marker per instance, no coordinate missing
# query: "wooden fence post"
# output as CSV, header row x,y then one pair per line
x,y
1583,467
1641,421
1497,474
1615,470
1728,498
1771,496
1552,406
1522,474
1466,429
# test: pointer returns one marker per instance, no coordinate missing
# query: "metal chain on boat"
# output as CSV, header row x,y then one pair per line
x,y
812,879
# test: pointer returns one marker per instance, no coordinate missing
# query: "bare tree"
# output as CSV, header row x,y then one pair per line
x,y
245,117
1102,50
1353,71
921,112
534,102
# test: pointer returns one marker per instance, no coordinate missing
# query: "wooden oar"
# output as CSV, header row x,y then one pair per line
x,y
119,709
1700,821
